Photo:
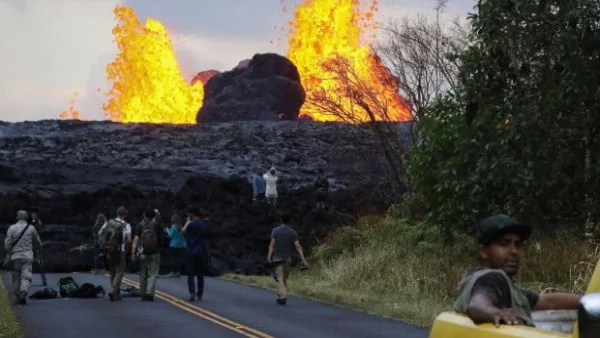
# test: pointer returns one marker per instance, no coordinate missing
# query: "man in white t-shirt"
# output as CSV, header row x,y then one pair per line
x,y
117,263
271,186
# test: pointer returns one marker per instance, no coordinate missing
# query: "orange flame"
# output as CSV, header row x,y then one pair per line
x,y
324,30
147,85
71,113
147,82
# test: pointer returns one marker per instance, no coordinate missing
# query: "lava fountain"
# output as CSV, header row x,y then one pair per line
x,y
322,31
147,85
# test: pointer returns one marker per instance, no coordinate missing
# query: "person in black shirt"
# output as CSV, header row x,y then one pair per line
x,y
35,220
489,294
321,189
195,232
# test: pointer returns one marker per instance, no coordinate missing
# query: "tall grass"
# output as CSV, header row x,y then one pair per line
x,y
396,269
9,327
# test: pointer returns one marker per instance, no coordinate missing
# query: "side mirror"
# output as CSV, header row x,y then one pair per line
x,y
588,316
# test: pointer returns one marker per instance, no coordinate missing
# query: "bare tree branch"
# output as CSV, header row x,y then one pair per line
x,y
422,52
356,98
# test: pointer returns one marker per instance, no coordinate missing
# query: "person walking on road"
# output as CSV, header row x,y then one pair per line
x,y
150,234
19,242
284,241
115,237
195,232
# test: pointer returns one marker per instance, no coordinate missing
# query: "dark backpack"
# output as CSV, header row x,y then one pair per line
x,y
111,236
88,290
46,293
149,238
67,287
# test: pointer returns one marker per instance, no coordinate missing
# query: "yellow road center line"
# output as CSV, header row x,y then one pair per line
x,y
205,314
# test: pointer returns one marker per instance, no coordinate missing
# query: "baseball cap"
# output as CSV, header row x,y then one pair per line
x,y
495,226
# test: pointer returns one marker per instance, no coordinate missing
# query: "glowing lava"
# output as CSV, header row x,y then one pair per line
x,y
147,85
71,113
326,30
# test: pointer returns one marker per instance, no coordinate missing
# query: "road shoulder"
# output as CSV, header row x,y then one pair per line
x,y
9,325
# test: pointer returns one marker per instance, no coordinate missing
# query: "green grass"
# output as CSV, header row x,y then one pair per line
x,y
399,270
9,326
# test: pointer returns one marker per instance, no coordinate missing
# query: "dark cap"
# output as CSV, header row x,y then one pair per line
x,y
121,210
495,226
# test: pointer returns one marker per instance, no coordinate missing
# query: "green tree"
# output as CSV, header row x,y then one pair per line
x,y
524,137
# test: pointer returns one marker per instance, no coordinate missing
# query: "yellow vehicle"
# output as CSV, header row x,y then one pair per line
x,y
587,325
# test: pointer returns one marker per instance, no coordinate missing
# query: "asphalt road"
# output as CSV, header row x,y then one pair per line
x,y
227,310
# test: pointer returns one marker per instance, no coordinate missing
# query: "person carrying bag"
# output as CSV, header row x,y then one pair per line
x,y
19,244
7,259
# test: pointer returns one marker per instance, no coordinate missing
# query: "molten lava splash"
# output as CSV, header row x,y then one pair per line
x,y
71,113
147,82
325,30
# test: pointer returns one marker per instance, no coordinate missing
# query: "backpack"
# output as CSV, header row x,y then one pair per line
x,y
67,287
149,238
111,236
46,293
88,290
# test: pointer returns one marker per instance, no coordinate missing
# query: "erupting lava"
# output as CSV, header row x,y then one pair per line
x,y
147,85
147,82
326,30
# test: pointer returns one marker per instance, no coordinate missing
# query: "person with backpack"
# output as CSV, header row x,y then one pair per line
x,y
19,242
195,232
114,237
284,241
149,234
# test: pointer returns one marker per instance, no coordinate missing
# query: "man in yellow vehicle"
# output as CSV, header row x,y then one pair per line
x,y
488,294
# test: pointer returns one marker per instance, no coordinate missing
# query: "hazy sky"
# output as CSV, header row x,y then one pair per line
x,y
51,49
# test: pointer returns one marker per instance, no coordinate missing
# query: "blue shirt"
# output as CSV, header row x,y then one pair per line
x,y
194,237
176,236
258,184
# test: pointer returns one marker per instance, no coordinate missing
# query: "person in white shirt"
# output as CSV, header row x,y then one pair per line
x,y
271,189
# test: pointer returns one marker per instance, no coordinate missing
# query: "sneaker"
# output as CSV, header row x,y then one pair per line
x,y
192,298
281,301
199,296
